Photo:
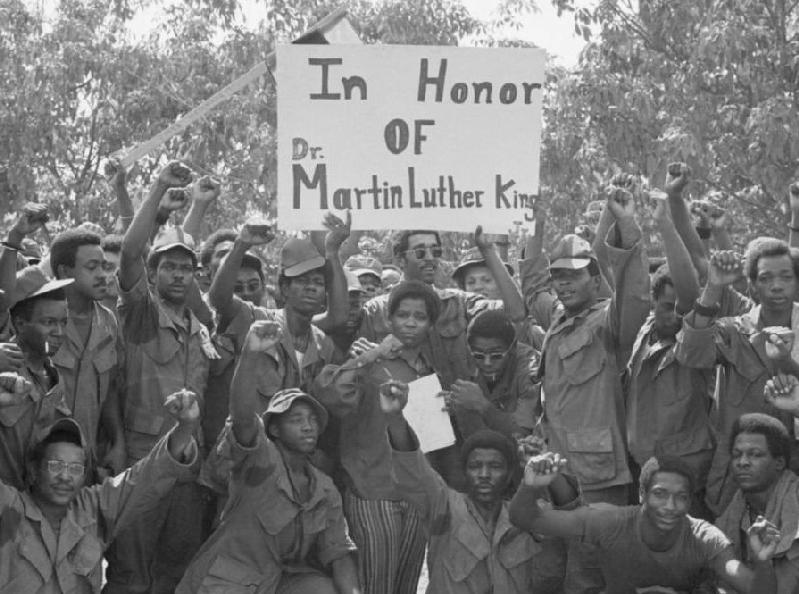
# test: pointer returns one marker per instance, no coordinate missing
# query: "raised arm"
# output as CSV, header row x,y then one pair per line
x,y
263,336
681,269
338,303
204,193
33,217
414,478
542,473
118,179
677,178
793,226
629,305
221,294
131,264
511,296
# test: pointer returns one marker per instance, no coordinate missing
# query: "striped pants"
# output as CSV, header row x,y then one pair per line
x,y
391,543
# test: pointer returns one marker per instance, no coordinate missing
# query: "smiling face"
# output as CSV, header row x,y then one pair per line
x,y
487,475
667,501
297,429
249,287
478,279
576,289
421,260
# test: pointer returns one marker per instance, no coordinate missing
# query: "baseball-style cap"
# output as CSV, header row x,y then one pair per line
x,y
284,399
299,256
250,260
473,257
571,252
173,237
361,265
32,282
65,425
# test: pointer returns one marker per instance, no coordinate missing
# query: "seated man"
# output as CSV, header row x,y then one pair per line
x,y
760,452
283,528
473,547
653,545
53,535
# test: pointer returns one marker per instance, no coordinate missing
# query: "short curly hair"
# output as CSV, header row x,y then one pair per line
x,y
414,289
213,240
766,247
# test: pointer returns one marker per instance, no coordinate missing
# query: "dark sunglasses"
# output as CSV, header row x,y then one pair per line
x,y
420,252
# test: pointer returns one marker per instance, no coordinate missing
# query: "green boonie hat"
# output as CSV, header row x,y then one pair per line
x,y
572,252
283,400
299,256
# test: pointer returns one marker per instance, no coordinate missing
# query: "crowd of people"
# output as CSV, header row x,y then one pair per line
x,y
622,424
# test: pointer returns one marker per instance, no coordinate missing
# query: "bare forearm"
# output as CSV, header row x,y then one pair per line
x,y
686,230
244,398
193,222
511,296
136,237
686,282
338,305
124,205
220,295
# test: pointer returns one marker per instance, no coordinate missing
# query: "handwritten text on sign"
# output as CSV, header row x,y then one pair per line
x,y
408,136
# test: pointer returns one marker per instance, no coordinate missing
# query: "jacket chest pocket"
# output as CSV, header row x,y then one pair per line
x,y
516,555
591,454
582,358
86,557
459,561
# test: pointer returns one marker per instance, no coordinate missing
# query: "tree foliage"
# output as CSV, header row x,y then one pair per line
x,y
713,83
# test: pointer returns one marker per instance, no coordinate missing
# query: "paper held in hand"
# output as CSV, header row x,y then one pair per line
x,y
424,413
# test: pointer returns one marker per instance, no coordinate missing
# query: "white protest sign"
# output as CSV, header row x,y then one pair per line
x,y
408,136
425,414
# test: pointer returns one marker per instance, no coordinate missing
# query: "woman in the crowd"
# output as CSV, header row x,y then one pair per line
x,y
386,529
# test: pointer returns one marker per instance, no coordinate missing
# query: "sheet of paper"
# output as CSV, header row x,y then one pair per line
x,y
425,415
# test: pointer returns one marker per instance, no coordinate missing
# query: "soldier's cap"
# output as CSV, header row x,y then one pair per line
x,y
473,257
66,425
571,252
299,256
32,282
173,237
284,399
361,265
353,283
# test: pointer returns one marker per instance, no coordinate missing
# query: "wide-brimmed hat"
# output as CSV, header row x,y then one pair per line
x,y
284,399
32,282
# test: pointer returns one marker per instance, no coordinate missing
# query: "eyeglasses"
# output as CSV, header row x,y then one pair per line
x,y
490,357
420,252
58,466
